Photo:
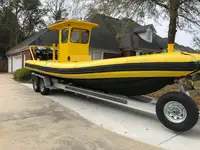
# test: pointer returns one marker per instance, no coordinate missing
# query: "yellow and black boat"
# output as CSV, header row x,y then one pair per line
x,y
130,76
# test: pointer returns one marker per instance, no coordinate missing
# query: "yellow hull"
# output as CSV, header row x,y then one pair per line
x,y
129,76
175,60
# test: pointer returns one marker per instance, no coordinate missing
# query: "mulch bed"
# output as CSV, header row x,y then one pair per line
x,y
195,96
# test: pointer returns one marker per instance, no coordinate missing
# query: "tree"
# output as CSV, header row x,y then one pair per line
x,y
62,9
182,14
18,20
28,14
57,9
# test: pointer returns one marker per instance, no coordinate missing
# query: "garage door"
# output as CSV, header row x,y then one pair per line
x,y
9,64
17,62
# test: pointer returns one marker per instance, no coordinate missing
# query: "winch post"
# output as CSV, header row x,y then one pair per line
x,y
170,48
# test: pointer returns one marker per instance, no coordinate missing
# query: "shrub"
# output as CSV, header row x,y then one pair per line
x,y
22,74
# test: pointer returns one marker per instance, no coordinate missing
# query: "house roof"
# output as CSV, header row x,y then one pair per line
x,y
26,42
99,40
142,29
131,40
149,47
163,42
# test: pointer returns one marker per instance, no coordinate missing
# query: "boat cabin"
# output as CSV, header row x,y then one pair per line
x,y
74,42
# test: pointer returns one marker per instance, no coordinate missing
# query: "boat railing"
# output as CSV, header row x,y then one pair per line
x,y
43,52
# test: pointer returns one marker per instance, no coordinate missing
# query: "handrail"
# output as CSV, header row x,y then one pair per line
x,y
53,48
30,49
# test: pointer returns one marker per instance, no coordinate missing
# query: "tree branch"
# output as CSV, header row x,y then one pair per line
x,y
190,20
182,2
160,4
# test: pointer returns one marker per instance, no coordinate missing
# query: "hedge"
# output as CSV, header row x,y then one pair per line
x,y
22,74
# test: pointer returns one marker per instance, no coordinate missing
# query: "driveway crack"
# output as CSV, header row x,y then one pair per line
x,y
21,118
169,139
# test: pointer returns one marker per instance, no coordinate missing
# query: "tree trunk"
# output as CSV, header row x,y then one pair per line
x,y
173,13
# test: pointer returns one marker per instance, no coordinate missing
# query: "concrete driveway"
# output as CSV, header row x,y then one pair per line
x,y
142,126
30,121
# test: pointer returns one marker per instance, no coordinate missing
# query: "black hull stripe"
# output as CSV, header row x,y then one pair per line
x,y
168,66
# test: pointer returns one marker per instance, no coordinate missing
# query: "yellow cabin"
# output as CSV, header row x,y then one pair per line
x,y
74,40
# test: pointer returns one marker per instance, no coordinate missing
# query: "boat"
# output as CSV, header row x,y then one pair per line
x,y
129,76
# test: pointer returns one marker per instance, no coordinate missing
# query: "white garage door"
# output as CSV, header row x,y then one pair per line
x,y
17,62
9,64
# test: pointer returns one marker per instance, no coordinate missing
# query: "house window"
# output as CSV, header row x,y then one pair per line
x,y
97,55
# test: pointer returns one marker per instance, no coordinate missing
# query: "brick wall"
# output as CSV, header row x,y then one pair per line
x,y
3,65
28,56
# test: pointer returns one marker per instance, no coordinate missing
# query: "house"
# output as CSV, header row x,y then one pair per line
x,y
114,38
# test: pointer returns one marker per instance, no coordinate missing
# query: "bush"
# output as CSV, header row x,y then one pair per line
x,y
22,74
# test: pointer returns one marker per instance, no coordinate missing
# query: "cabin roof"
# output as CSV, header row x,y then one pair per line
x,y
66,23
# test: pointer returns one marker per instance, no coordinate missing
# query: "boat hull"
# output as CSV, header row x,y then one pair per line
x,y
125,86
128,76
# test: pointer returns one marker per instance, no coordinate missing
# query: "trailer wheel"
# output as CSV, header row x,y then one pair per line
x,y
35,82
177,111
43,89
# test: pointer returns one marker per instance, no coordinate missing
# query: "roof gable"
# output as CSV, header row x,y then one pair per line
x,y
142,29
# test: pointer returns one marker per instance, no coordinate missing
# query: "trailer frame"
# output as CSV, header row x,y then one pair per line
x,y
175,110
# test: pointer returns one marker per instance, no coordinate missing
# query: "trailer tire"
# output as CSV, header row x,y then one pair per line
x,y
43,89
36,82
177,111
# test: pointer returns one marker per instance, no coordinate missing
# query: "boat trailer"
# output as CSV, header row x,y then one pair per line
x,y
175,110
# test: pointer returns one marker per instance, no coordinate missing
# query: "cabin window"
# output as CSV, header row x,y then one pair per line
x,y
79,36
65,33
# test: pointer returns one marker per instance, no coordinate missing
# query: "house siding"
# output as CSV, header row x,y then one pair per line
x,y
25,56
147,36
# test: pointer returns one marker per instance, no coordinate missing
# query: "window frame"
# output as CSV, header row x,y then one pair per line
x,y
62,35
80,36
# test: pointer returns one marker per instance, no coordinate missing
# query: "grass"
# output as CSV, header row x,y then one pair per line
x,y
195,96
